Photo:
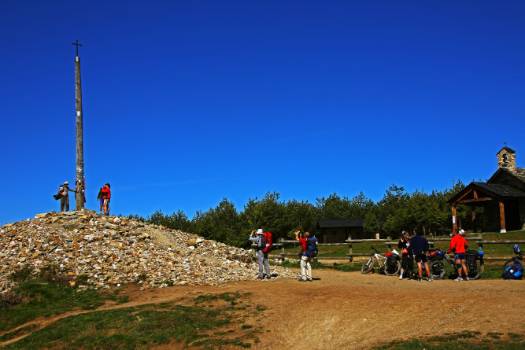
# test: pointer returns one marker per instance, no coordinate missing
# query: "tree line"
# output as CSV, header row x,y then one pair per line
x,y
398,210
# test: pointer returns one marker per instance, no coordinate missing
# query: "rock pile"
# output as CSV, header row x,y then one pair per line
x,y
110,251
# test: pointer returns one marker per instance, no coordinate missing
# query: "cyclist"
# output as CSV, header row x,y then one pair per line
x,y
419,249
403,245
458,245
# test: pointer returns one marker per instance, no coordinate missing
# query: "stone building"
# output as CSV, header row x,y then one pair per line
x,y
501,198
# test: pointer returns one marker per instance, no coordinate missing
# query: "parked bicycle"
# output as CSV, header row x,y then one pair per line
x,y
389,264
513,268
439,260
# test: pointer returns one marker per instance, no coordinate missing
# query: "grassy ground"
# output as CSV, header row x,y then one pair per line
x,y
335,266
43,298
461,341
208,322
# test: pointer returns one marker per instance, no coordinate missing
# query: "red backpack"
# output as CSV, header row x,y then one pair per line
x,y
268,240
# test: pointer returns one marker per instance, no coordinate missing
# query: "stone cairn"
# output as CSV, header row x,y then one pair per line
x,y
113,251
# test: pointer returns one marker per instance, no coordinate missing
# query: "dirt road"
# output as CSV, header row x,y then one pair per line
x,y
353,311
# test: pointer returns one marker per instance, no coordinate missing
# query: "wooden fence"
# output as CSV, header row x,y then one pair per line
x,y
388,242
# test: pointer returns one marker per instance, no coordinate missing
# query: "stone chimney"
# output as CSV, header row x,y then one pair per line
x,y
507,159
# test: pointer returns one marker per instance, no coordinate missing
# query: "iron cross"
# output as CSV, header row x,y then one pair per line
x,y
77,44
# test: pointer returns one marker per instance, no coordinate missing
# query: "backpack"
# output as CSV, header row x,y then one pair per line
x,y
267,237
513,272
311,247
58,195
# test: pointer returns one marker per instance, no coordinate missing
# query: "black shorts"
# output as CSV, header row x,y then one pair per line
x,y
460,256
421,258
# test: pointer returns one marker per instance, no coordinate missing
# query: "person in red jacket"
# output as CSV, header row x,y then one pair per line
x,y
105,193
458,245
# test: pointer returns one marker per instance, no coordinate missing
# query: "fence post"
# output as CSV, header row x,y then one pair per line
x,y
282,249
350,249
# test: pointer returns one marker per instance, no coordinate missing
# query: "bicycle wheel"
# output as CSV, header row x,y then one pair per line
x,y
437,269
392,267
368,266
474,270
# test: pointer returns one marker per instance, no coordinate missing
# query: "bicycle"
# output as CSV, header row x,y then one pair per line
x,y
513,268
388,264
439,259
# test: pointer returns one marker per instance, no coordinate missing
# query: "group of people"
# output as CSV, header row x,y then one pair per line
x,y
417,248
104,197
263,241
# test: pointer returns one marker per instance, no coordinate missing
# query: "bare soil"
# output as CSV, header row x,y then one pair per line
x,y
348,310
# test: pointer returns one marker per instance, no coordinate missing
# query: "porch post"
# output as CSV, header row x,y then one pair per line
x,y
454,220
502,217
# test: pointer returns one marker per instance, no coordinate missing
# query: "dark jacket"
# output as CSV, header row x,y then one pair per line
x,y
418,245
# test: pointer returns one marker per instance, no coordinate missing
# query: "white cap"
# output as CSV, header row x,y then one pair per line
x,y
462,232
259,231
66,183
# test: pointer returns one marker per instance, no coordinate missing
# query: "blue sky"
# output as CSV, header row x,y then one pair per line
x,y
188,102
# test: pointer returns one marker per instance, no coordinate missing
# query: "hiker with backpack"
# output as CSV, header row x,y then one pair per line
x,y
63,195
262,242
458,246
418,248
308,246
105,194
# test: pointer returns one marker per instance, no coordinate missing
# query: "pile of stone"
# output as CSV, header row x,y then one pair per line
x,y
112,251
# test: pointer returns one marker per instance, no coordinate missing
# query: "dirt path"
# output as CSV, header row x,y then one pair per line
x,y
354,311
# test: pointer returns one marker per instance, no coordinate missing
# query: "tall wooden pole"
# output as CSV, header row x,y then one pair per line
x,y
80,181
454,219
502,226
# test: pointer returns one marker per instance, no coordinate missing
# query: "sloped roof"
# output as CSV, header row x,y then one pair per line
x,y
520,174
335,223
496,191
499,190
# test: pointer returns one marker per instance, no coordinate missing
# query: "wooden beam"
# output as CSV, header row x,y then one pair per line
x,y
481,199
463,196
502,226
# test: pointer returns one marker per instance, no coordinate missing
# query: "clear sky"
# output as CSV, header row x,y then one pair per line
x,y
188,102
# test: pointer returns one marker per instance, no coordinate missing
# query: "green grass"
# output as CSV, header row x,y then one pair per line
x,y
42,298
460,341
348,267
196,325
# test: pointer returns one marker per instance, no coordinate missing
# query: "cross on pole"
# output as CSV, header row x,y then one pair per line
x,y
77,44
